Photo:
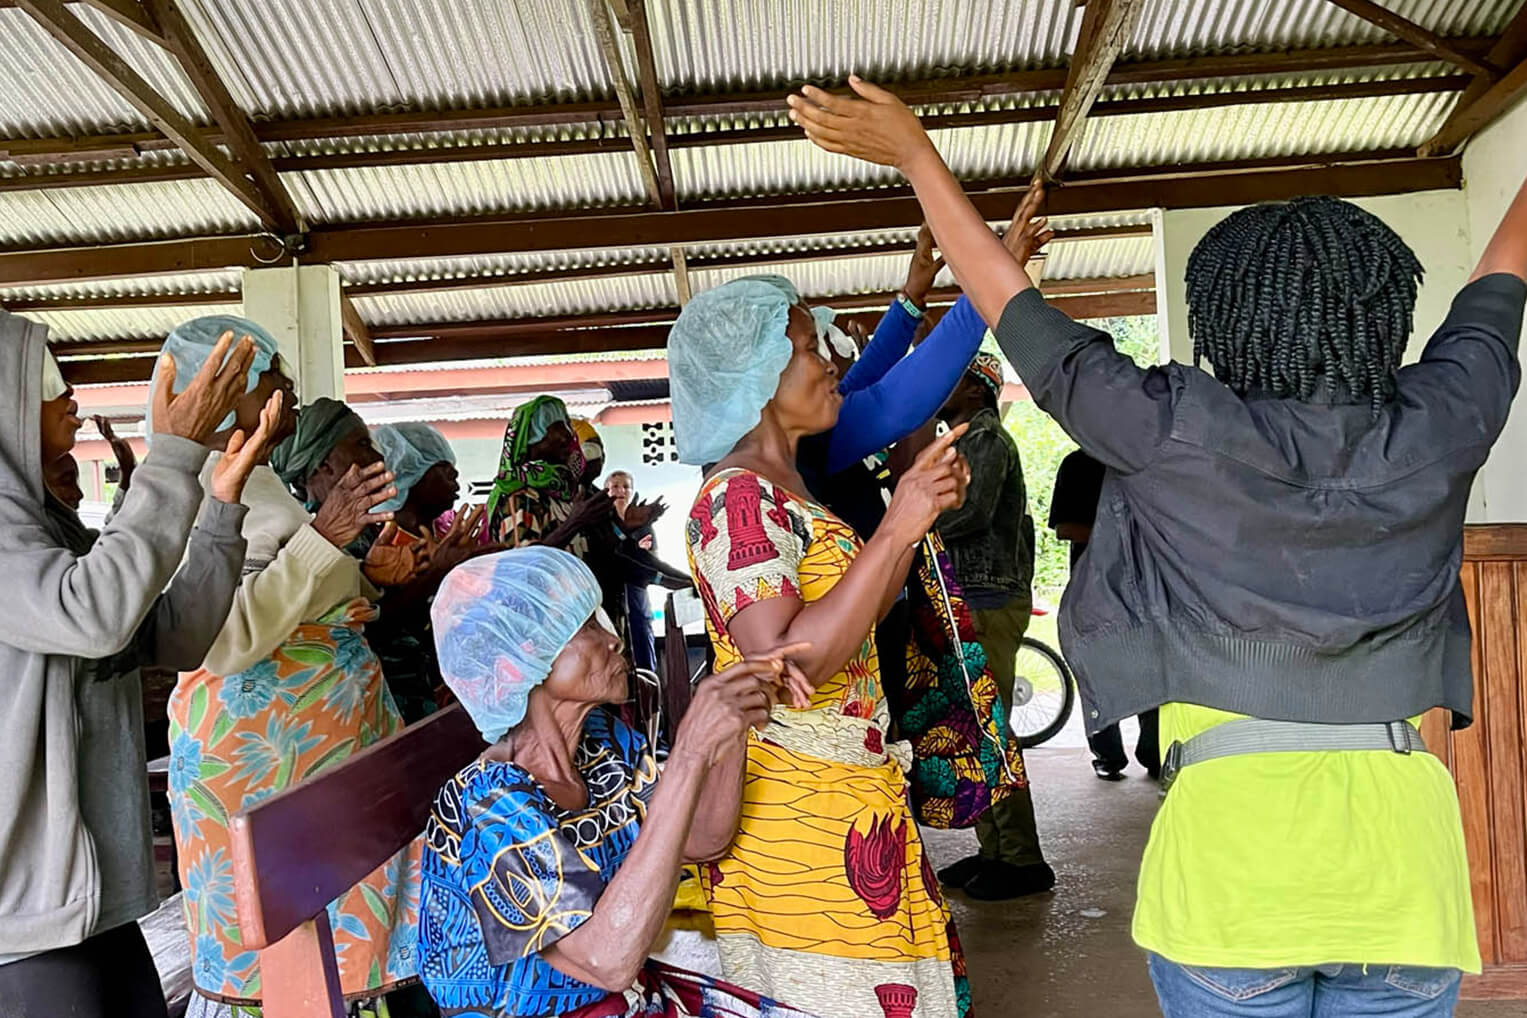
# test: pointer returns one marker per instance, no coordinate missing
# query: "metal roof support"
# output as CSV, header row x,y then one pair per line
x,y
356,330
609,45
1415,34
1106,26
1486,97
938,91
238,134
78,39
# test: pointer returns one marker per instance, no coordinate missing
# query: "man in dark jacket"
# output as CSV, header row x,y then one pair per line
x,y
990,540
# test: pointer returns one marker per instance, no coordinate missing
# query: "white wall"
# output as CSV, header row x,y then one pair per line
x,y
1493,167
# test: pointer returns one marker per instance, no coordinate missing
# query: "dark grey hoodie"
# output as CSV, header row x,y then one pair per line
x,y
80,616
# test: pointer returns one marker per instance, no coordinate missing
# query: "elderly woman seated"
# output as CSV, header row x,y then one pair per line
x,y
551,861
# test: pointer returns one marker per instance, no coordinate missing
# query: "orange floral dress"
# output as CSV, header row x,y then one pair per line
x,y
826,898
238,739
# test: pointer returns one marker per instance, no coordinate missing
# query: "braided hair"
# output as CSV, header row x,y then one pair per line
x,y
1285,295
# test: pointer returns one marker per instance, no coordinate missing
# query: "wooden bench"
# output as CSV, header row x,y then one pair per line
x,y
296,851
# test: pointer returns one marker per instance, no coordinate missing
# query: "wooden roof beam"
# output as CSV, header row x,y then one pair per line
x,y
928,92
609,45
652,97
238,133
1416,35
1106,26
75,36
356,330
1486,97
127,13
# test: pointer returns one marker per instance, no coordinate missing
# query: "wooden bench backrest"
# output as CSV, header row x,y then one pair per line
x,y
296,851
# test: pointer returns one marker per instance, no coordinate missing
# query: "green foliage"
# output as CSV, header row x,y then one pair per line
x,y
1042,445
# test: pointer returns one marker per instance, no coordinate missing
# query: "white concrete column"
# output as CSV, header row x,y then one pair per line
x,y
300,306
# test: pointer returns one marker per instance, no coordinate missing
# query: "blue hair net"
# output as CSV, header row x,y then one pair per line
x,y
725,356
501,620
411,451
191,344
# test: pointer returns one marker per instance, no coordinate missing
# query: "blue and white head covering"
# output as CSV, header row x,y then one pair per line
x,y
501,620
411,451
191,344
725,356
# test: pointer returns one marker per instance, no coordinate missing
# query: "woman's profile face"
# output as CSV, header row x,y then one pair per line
x,y
590,669
807,398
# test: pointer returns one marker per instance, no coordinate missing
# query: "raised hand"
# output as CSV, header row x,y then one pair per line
x,y
348,509
924,268
643,514
459,543
395,565
934,484
1029,232
241,456
589,509
127,460
196,413
872,125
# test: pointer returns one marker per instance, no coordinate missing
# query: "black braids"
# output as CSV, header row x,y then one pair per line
x,y
1286,298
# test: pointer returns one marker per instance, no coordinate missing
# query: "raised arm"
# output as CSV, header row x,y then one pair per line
x,y
899,323
1507,250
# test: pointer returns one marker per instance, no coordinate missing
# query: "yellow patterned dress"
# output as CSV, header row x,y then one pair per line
x,y
826,898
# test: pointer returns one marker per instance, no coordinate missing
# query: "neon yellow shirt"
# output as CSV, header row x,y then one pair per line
x,y
1279,860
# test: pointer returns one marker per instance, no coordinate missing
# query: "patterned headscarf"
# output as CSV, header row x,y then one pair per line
x,y
500,621
518,473
321,425
988,368
589,441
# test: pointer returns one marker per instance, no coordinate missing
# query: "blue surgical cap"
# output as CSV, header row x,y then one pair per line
x,y
411,451
725,356
501,620
191,344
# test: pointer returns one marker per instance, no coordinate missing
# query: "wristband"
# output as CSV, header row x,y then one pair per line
x,y
909,306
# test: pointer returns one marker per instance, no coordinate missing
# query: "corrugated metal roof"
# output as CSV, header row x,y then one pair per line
x,y
106,213
123,323
439,189
227,281
1173,28
415,269
48,91
740,45
534,300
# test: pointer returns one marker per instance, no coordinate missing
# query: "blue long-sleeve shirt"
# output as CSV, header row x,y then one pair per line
x,y
887,396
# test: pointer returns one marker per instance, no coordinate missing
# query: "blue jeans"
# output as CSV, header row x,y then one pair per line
x,y
1331,991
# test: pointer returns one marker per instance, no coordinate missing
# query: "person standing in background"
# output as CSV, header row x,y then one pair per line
x,y
1074,506
619,486
990,540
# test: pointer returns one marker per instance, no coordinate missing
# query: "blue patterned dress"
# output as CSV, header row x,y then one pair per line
x,y
507,873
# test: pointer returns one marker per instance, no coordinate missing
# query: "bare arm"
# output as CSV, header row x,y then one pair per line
x,y
1507,250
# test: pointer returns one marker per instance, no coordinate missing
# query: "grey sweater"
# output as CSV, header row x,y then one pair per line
x,y
82,615
1293,560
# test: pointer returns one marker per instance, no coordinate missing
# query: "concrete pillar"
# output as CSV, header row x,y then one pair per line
x,y
300,307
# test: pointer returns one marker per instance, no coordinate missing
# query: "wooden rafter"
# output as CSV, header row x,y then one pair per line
x,y
681,283
609,45
238,133
127,13
1485,97
1342,174
928,92
77,38
356,330
1106,27
652,97
1416,35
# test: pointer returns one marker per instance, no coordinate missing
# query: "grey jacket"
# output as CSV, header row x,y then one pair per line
x,y
73,804
1284,559
990,538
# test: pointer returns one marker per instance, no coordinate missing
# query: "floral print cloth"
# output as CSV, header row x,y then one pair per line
x,y
238,739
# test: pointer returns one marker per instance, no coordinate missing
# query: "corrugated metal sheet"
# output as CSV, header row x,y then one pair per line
x,y
440,189
319,57
1096,259
108,213
738,45
535,300
227,281
123,323
1174,28
415,269
47,91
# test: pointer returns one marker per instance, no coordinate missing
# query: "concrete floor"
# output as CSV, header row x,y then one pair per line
x,y
1068,954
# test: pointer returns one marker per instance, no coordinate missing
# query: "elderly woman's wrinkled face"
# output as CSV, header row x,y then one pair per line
x,y
354,450
807,399
590,669
60,422
246,412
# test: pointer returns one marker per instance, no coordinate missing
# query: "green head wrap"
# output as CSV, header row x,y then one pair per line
x,y
321,425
